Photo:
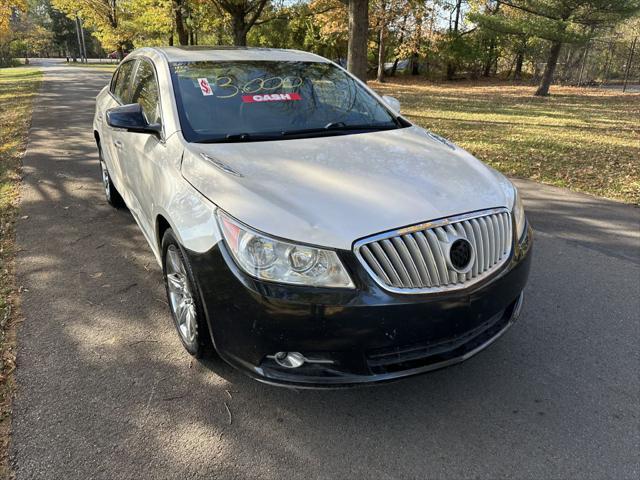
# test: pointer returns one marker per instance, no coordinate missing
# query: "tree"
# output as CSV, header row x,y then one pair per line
x,y
559,22
358,38
327,31
382,19
244,15
108,18
11,14
179,9
148,22
64,33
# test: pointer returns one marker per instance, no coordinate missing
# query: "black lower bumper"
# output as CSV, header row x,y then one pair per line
x,y
355,336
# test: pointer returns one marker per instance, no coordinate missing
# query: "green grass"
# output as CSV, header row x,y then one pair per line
x,y
587,140
18,87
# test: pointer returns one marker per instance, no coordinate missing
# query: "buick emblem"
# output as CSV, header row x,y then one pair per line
x,y
461,255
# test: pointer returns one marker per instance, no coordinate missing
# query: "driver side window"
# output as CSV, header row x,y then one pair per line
x,y
145,91
121,88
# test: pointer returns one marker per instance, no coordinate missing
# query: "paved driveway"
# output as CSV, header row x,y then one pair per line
x,y
105,390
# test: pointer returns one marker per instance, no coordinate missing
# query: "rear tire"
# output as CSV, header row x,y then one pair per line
x,y
110,191
184,298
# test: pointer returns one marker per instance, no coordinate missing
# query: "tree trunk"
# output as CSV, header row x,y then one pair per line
x,y
517,75
415,56
607,67
489,62
395,62
451,67
358,34
457,21
549,69
451,71
381,47
239,30
415,64
183,35
395,67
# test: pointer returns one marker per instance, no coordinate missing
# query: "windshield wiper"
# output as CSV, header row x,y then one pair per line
x,y
243,137
329,129
340,127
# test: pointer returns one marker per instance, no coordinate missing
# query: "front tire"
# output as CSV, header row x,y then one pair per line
x,y
183,297
110,191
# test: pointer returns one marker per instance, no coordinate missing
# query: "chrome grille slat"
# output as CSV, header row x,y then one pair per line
x,y
386,264
488,254
407,261
412,259
484,231
500,239
427,254
480,249
375,265
436,248
507,240
496,240
423,272
468,229
396,261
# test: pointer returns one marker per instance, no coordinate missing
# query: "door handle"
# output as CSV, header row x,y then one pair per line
x,y
117,143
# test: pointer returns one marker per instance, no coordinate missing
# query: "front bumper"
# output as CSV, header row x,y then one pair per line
x,y
368,334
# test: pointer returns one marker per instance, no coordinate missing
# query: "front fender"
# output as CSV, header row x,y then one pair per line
x,y
191,217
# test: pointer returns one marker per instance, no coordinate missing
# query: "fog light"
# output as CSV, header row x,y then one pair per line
x,y
289,359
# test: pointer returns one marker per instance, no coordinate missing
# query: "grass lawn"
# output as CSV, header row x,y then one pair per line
x,y
583,139
18,87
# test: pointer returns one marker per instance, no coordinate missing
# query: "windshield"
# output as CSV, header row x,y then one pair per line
x,y
258,100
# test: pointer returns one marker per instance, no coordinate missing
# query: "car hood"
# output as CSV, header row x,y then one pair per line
x,y
331,191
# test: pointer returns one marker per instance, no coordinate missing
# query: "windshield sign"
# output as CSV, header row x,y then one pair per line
x,y
248,101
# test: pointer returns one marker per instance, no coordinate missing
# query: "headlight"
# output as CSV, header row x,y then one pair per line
x,y
269,259
518,214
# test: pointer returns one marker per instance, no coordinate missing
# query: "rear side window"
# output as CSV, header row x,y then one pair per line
x,y
145,91
122,84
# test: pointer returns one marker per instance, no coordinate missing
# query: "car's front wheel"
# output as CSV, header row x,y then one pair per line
x,y
110,192
184,300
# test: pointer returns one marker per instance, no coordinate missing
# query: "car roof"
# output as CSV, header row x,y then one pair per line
x,y
209,53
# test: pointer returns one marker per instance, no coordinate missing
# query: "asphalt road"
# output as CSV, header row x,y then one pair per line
x,y
105,390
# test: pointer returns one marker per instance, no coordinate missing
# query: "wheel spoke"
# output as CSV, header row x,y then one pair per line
x,y
181,313
173,261
175,283
191,321
187,323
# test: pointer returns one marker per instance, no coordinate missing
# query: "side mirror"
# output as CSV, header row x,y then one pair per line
x,y
392,102
130,118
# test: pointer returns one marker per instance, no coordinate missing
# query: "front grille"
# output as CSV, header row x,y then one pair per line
x,y
418,259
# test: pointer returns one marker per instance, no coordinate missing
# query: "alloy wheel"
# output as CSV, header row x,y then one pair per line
x,y
180,297
106,181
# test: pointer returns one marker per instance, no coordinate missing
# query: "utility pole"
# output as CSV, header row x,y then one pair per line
x,y
626,71
84,46
79,41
